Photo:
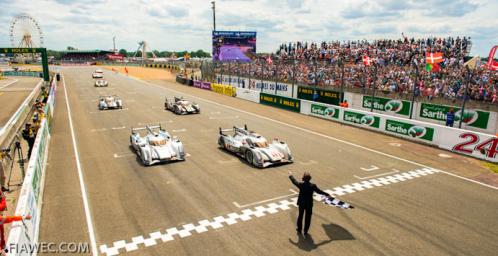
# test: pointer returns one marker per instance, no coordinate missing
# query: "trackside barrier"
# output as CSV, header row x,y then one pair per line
x,y
23,73
203,85
23,235
280,102
224,89
269,87
475,144
20,115
247,94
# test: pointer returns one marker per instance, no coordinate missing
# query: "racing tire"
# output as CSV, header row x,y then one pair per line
x,y
221,143
249,157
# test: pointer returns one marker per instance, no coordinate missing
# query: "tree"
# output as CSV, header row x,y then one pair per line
x,y
123,52
70,48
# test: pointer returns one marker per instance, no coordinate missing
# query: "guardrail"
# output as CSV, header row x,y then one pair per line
x,y
23,235
23,73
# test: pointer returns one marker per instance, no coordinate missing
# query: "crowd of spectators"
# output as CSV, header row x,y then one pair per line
x,y
395,61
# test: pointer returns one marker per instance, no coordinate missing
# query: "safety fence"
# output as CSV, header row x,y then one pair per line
x,y
24,234
475,144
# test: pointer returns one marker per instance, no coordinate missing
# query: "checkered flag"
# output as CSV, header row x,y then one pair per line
x,y
332,201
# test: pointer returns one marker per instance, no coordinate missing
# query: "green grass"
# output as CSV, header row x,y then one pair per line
x,y
492,167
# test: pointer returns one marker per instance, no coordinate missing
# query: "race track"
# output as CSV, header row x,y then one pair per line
x,y
215,204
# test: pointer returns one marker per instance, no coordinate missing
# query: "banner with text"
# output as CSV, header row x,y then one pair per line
x,y
224,89
320,95
400,107
280,102
471,117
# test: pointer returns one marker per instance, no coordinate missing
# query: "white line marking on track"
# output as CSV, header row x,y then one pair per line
x,y
9,83
88,216
180,130
316,133
123,155
378,175
310,162
215,113
247,214
118,128
223,117
372,168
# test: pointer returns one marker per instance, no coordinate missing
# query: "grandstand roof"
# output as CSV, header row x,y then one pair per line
x,y
87,51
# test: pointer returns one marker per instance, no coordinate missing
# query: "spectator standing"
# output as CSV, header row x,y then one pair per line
x,y
450,118
29,134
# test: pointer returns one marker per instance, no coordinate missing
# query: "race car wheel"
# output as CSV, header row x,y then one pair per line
x,y
222,144
249,156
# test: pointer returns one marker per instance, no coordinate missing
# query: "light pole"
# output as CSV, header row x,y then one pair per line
x,y
373,84
213,3
464,97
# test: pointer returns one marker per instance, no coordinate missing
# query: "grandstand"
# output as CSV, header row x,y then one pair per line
x,y
84,56
400,68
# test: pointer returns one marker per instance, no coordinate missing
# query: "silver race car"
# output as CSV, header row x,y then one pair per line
x,y
156,145
98,73
254,148
101,83
110,102
181,107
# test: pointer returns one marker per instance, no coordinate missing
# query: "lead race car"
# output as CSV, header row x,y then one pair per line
x,y
156,145
101,83
181,106
110,102
254,148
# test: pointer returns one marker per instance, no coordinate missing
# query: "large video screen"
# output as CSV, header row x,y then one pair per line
x,y
237,46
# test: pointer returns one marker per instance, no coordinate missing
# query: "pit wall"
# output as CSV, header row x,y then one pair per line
x,y
470,143
24,234
476,120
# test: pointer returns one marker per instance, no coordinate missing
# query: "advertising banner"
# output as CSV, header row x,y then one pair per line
x,y
202,85
224,89
471,117
361,118
328,112
320,95
280,102
264,86
400,107
237,46
411,130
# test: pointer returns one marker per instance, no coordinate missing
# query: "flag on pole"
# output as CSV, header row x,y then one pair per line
x,y
367,61
434,57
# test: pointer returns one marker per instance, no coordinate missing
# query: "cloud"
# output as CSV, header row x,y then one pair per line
x,y
179,25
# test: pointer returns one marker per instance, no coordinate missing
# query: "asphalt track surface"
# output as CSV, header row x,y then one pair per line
x,y
13,95
175,209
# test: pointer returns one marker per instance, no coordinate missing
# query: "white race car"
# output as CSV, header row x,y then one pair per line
x,y
156,145
254,148
101,83
181,107
110,102
98,73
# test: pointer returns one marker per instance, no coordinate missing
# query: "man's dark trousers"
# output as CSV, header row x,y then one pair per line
x,y
307,211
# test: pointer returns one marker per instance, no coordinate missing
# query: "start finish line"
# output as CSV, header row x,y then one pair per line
x,y
43,52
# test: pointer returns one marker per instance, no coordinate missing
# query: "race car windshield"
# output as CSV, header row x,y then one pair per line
x,y
261,144
158,142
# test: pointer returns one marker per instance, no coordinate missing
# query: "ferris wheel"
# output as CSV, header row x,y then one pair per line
x,y
25,32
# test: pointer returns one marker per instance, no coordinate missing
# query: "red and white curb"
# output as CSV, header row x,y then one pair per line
x,y
218,222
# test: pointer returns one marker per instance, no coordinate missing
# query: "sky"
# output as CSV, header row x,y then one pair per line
x,y
186,24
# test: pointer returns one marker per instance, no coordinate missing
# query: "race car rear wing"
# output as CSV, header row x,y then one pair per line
x,y
235,129
149,128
